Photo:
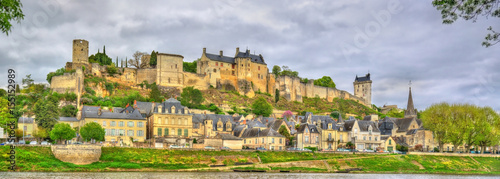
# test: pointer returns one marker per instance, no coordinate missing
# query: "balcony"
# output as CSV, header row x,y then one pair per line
x,y
330,140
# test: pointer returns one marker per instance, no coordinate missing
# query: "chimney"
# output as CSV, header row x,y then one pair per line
x,y
220,53
99,112
135,104
204,50
237,50
248,51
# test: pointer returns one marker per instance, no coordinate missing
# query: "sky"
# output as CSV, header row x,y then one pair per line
x,y
395,41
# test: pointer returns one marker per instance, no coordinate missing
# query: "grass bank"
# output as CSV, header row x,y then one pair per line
x,y
36,158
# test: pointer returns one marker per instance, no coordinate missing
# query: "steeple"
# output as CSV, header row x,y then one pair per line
x,y
410,109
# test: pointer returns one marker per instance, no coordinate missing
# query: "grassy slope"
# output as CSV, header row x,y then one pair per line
x,y
131,159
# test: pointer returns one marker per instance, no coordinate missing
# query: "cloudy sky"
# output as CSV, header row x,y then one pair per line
x,y
395,41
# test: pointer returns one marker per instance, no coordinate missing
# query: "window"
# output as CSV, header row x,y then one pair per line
x,y
140,133
281,148
307,139
258,67
113,132
175,66
329,136
375,138
185,132
113,123
262,140
221,64
103,123
245,141
130,133
122,132
232,67
166,120
364,137
317,139
355,131
272,140
130,124
166,131
215,70
179,131
233,73
140,124
121,124
186,122
369,138
256,141
159,132
390,142
281,141
341,138
216,63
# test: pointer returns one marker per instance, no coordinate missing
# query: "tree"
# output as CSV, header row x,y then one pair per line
x,y
5,117
139,62
276,70
276,95
436,119
41,133
46,112
155,94
283,131
100,58
10,10
262,107
288,114
288,72
419,147
395,113
69,111
18,89
470,10
92,130
152,59
488,129
325,81
349,145
62,131
28,81
191,97
401,148
190,66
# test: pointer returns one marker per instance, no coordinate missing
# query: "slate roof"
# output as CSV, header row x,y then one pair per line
x,y
229,137
69,119
254,58
255,123
238,130
219,58
257,132
348,125
364,125
403,124
276,124
224,118
363,78
412,131
386,126
25,120
167,105
145,108
312,128
92,112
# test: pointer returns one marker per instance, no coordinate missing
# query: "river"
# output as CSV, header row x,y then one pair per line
x,y
229,175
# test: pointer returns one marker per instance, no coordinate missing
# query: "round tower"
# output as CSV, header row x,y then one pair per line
x,y
80,51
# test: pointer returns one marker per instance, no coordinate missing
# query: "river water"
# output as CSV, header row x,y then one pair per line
x,y
224,175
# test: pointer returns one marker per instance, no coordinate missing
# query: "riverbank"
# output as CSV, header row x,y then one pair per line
x,y
41,159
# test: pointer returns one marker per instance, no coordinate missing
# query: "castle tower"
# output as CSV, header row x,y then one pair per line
x,y
410,109
363,88
80,51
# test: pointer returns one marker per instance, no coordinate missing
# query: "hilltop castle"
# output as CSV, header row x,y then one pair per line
x,y
244,72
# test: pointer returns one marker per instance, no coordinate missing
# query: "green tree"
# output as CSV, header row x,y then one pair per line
x,y
10,10
190,66
91,131
69,111
152,60
451,10
288,72
191,97
100,58
40,133
46,112
5,117
276,95
62,131
28,81
262,107
276,70
18,89
488,129
3,93
155,94
401,148
325,81
436,119
395,113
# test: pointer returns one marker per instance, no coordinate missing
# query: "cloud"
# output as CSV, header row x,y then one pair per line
x,y
444,62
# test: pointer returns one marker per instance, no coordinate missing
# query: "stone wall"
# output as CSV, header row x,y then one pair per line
x,y
233,144
213,142
146,74
169,70
453,154
199,81
67,82
77,154
130,75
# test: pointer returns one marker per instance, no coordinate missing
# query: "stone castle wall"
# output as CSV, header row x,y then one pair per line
x,y
77,154
67,82
199,81
293,90
146,74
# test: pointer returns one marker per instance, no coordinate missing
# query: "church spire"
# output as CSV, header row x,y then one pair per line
x,y
410,108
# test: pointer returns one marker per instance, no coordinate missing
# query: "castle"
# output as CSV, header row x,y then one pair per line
x,y
244,72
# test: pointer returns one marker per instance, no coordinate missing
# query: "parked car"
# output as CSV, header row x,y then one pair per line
x,y
368,150
343,150
33,143
209,147
44,143
175,147
260,148
22,142
78,143
306,150
293,149
225,148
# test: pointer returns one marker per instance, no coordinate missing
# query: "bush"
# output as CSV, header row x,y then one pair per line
x,y
90,91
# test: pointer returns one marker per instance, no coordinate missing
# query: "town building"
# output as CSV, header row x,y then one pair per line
x,y
171,119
